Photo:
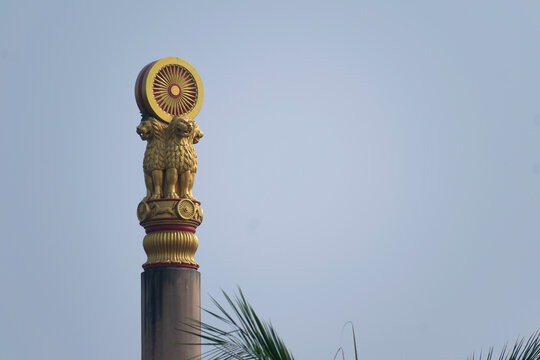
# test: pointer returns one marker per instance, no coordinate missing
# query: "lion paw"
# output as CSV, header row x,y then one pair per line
x,y
172,195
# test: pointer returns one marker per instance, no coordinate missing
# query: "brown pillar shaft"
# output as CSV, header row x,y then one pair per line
x,y
171,296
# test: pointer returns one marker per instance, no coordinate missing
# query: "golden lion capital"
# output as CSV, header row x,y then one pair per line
x,y
169,94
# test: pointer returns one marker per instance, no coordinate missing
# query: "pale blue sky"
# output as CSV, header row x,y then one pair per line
x,y
371,161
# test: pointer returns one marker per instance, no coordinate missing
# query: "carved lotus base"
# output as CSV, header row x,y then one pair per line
x,y
170,226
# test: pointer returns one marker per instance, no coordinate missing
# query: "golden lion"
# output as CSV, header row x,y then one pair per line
x,y
153,131
181,158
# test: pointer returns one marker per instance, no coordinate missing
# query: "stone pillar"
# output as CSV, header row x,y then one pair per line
x,y
169,94
171,296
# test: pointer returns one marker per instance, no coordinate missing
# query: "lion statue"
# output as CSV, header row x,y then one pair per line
x,y
153,131
181,158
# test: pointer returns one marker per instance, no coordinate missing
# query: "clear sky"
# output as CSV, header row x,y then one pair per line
x,y
367,161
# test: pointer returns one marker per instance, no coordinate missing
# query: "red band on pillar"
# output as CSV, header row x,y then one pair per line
x,y
151,229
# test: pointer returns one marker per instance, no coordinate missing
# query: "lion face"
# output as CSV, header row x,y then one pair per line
x,y
181,127
197,133
145,129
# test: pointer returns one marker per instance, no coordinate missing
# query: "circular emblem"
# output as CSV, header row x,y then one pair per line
x,y
169,87
143,210
185,209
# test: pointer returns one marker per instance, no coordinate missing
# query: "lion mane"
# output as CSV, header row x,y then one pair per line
x,y
180,153
154,156
153,131
180,156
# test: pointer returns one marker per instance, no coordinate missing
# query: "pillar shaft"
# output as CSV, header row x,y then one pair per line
x,y
171,296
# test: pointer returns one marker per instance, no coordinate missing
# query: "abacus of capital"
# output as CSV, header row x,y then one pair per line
x,y
169,94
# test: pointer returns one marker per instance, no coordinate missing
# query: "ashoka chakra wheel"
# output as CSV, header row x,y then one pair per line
x,y
185,209
169,87
143,211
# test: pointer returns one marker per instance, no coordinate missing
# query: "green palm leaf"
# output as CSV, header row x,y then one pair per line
x,y
247,337
522,350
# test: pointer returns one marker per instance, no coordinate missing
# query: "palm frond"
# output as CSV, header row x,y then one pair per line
x,y
529,350
340,349
246,336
